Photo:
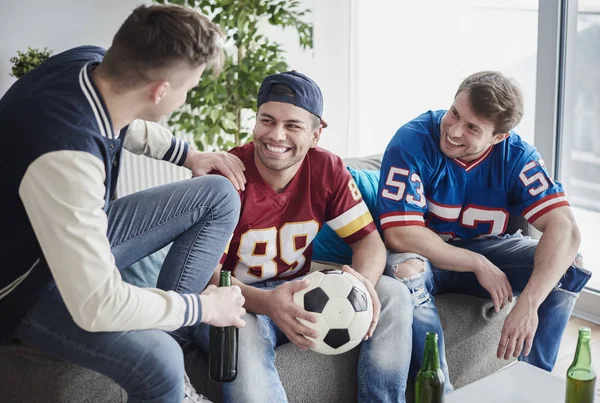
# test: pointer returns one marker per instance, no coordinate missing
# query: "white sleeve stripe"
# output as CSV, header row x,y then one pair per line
x,y
192,311
188,307
104,120
349,216
89,98
402,218
196,299
449,213
181,149
544,205
175,151
6,290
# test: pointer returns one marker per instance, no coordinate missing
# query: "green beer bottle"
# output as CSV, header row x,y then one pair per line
x,y
223,346
429,386
581,375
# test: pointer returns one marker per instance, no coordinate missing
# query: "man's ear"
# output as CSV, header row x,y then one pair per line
x,y
316,136
158,90
500,137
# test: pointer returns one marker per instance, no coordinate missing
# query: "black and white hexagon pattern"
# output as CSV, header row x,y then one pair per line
x,y
342,306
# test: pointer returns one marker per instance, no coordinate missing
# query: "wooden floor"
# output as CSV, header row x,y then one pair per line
x,y
569,343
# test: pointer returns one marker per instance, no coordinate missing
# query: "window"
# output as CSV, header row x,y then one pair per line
x,y
399,77
580,140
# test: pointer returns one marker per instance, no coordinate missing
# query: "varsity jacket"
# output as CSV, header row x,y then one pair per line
x,y
58,174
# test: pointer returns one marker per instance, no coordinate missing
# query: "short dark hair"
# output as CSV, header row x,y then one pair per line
x,y
286,90
157,38
494,97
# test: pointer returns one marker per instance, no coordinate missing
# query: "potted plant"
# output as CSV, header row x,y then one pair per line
x,y
28,60
218,112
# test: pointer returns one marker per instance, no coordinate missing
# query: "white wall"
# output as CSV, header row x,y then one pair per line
x,y
327,64
378,63
58,25
62,24
412,57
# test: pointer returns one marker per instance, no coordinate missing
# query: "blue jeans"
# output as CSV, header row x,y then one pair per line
x,y
513,254
198,215
383,361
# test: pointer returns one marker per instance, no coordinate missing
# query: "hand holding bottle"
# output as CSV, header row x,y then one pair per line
x,y
223,306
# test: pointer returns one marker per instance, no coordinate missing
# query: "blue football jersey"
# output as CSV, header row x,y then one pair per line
x,y
419,185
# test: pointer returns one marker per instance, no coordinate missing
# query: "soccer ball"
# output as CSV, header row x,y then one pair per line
x,y
342,306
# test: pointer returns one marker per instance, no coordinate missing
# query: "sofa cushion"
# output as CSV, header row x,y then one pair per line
x,y
28,375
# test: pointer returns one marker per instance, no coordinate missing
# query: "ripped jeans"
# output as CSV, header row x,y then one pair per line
x,y
513,254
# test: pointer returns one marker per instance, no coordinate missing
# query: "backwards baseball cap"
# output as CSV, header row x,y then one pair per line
x,y
307,94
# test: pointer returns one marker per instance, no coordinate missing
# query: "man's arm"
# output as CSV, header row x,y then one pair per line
x,y
425,242
368,263
540,200
368,257
63,195
554,254
154,141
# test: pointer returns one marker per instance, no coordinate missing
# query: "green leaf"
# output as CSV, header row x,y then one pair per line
x,y
211,110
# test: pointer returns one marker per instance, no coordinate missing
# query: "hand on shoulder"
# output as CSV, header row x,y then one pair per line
x,y
229,165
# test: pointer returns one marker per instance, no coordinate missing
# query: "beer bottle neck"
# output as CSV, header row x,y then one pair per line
x,y
225,280
583,354
431,358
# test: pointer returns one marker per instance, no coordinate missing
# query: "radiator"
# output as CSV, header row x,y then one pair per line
x,y
139,173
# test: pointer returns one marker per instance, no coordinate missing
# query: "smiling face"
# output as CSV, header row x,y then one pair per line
x,y
463,134
283,134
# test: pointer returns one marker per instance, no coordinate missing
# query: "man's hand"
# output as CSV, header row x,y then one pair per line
x,y
374,298
228,164
494,281
519,330
223,306
284,311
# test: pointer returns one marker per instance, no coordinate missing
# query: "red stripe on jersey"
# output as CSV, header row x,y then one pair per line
x,y
401,213
402,224
543,211
541,201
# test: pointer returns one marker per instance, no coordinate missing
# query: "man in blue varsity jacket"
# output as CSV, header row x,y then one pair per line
x,y
64,125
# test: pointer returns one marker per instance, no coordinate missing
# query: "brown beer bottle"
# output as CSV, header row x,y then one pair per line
x,y
581,375
223,355
429,385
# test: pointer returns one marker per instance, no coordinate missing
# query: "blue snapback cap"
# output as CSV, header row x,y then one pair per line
x,y
307,94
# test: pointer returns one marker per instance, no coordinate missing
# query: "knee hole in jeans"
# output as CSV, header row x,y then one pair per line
x,y
409,268
409,271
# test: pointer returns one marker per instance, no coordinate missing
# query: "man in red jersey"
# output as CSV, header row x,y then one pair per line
x,y
292,189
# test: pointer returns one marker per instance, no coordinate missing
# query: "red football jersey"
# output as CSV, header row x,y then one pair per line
x,y
275,231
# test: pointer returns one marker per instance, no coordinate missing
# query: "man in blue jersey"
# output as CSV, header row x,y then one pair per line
x,y
64,127
449,181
